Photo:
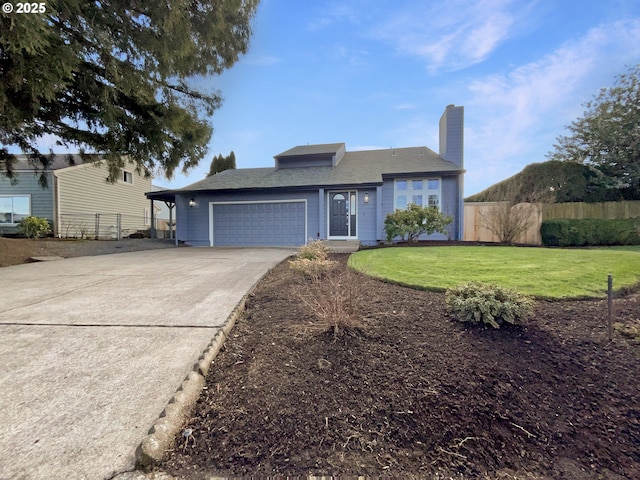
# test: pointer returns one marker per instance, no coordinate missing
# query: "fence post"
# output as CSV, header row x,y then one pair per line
x,y
609,306
97,226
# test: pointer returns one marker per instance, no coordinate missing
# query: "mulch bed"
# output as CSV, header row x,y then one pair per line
x,y
415,394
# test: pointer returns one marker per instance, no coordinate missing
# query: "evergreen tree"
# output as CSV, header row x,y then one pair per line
x,y
113,78
220,163
607,137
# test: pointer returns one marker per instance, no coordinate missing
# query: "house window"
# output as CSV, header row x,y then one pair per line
x,y
14,208
147,217
127,177
422,192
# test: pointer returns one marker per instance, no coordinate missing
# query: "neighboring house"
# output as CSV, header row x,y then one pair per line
x,y
78,200
324,192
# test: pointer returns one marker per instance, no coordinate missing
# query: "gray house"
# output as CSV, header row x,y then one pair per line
x,y
324,192
77,201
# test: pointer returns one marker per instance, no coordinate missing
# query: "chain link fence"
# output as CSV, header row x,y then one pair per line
x,y
110,226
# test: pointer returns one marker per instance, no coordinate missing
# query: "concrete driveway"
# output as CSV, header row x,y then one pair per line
x,y
92,349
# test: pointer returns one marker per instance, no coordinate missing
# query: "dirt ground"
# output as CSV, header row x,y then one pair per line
x,y
416,394
15,251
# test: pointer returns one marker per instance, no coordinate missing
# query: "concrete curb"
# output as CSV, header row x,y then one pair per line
x,y
178,411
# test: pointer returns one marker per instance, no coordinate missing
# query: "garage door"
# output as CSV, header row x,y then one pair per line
x,y
259,224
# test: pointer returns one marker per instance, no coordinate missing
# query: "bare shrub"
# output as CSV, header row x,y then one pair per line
x,y
312,268
311,260
313,250
510,219
333,298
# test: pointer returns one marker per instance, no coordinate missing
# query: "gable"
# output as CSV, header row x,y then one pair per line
x,y
327,155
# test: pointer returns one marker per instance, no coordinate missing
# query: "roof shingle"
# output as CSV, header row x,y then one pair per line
x,y
359,167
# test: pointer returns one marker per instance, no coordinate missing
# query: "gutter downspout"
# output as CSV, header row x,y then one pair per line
x,y
56,205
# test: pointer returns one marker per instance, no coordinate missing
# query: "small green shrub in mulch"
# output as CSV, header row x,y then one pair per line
x,y
494,305
629,330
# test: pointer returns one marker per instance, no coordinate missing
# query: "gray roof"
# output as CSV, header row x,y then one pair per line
x,y
327,148
24,163
355,168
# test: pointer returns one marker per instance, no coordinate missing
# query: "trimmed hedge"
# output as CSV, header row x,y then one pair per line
x,y
590,231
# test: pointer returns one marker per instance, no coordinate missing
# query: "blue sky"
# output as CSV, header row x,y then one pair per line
x,y
379,73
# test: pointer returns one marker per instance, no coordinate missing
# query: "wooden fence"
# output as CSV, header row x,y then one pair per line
x,y
477,213
607,210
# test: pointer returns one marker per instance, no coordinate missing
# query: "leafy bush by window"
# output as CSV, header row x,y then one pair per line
x,y
414,221
477,302
33,227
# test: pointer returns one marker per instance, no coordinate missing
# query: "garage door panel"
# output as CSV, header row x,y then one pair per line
x,y
265,223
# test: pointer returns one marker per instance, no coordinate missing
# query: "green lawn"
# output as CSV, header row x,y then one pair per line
x,y
540,272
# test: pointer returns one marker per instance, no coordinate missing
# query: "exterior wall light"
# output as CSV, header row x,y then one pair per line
x,y
192,202
366,197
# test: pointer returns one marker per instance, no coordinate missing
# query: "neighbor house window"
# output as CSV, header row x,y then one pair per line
x,y
422,192
14,208
127,177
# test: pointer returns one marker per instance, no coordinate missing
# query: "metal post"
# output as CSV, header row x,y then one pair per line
x,y
609,306
97,226
152,232
170,207
118,226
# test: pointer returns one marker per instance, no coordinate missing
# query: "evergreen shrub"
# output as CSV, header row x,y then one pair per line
x,y
494,305
590,232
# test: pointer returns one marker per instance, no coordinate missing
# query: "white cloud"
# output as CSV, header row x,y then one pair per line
x,y
513,119
334,13
450,35
453,34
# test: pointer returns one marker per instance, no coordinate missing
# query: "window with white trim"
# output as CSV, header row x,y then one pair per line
x,y
127,177
14,208
419,191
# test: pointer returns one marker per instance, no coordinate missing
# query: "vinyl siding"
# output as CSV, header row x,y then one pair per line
x,y
367,217
194,229
84,190
41,198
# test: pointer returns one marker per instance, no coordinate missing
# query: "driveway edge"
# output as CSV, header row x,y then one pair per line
x,y
164,430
